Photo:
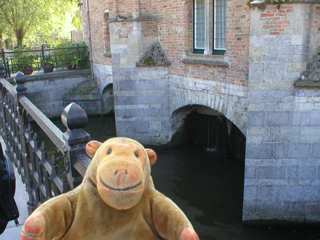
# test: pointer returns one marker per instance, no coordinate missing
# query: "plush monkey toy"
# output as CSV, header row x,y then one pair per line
x,y
116,201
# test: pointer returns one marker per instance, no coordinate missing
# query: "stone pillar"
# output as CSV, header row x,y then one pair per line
x,y
282,180
140,92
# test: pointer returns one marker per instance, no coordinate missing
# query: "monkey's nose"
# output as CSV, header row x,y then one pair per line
x,y
120,175
117,172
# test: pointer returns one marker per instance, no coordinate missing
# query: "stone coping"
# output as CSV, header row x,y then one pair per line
x,y
307,84
132,20
56,74
211,60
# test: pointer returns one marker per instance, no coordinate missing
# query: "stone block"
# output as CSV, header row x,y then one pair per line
x,y
256,72
138,100
126,85
297,39
250,211
129,113
307,173
296,119
274,72
124,128
250,193
140,126
278,118
279,150
292,172
294,209
256,119
310,118
312,211
152,85
148,112
283,96
268,194
271,172
299,150
259,151
255,41
250,172
316,150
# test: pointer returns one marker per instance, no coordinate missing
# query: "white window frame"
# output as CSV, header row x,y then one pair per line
x,y
210,30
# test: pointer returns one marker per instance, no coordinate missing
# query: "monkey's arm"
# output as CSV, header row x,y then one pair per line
x,y
170,222
50,220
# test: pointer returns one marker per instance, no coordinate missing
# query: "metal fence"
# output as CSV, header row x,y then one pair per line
x,y
45,59
38,171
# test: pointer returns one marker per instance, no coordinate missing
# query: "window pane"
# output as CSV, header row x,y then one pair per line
x,y
199,24
219,25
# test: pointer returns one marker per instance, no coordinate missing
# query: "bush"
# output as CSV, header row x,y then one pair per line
x,y
22,59
72,55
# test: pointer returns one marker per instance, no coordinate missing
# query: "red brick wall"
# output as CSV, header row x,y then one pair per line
x,y
275,19
175,31
175,34
99,34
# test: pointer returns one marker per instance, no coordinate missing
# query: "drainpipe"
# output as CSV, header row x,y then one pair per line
x,y
90,42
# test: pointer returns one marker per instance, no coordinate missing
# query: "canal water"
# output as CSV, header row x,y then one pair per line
x,y
207,186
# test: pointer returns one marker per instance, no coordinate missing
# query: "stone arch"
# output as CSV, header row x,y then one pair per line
x,y
108,89
208,129
108,97
232,107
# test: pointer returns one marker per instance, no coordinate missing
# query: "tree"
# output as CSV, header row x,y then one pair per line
x,y
33,17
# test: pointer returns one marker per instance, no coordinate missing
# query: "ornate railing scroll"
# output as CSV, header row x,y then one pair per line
x,y
40,173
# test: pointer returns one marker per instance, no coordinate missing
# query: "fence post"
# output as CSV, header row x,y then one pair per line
x,y
21,87
78,50
25,128
4,61
2,73
74,118
42,57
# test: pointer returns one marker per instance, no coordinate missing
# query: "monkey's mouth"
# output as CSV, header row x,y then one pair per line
x,y
120,189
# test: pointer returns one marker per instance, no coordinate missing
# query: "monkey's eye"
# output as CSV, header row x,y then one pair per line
x,y
109,151
136,154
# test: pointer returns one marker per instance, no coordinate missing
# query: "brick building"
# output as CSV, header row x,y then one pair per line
x,y
254,63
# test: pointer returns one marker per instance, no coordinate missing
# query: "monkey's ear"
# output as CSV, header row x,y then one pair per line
x,y
152,156
92,147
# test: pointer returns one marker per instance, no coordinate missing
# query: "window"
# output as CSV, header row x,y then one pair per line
x,y
199,24
106,33
209,32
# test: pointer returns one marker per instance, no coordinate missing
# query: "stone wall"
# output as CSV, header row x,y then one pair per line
x,y
282,178
141,104
53,91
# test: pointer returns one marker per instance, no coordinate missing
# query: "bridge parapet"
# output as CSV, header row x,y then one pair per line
x,y
45,174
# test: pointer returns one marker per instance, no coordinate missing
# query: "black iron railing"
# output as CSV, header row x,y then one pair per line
x,y
40,172
45,59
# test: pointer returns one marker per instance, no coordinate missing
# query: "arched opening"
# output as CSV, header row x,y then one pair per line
x,y
108,98
204,171
208,129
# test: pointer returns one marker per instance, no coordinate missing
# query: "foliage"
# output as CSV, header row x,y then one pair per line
x,y
68,54
45,18
21,58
